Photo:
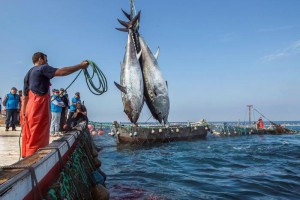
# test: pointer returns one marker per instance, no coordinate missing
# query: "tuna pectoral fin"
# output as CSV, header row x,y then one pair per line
x,y
139,54
121,88
157,53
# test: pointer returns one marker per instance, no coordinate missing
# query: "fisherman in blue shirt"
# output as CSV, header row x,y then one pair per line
x,y
56,108
74,101
11,102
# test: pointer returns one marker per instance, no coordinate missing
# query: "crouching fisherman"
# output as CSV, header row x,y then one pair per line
x,y
36,100
79,116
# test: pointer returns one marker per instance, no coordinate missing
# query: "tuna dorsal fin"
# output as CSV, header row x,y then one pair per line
x,y
167,84
126,14
157,53
121,88
122,29
139,54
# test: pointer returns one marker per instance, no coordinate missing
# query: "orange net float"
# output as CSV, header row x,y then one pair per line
x,y
101,132
90,127
94,133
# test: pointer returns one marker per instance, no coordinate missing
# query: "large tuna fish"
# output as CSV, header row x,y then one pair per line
x,y
156,89
131,86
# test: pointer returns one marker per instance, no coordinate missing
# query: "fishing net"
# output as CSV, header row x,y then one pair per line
x,y
75,179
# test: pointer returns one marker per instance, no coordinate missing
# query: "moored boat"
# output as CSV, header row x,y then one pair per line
x,y
147,133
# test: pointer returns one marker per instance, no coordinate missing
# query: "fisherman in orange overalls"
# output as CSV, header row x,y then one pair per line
x,y
35,113
261,124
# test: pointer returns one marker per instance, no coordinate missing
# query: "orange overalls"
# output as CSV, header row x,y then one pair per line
x,y
36,127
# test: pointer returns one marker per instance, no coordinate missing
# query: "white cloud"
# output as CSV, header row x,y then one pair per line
x,y
292,49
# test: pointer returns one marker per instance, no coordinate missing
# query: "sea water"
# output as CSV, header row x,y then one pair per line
x,y
241,167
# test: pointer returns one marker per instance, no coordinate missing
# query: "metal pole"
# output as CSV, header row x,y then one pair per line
x,y
250,106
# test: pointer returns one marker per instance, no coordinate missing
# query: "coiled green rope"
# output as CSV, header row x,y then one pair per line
x,y
96,90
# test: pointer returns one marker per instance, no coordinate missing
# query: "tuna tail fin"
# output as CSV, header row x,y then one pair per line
x,y
130,24
125,24
136,18
121,88
157,53
122,29
126,14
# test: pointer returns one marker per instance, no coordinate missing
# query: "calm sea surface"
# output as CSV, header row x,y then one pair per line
x,y
243,167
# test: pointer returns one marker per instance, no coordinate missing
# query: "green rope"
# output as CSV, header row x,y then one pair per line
x,y
102,87
97,90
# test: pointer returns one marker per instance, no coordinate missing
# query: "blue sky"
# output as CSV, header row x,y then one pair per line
x,y
217,56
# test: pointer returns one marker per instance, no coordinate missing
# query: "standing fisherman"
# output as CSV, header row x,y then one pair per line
x,y
20,92
36,101
261,124
56,109
64,97
11,101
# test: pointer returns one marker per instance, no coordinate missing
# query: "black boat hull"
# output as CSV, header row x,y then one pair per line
x,y
159,134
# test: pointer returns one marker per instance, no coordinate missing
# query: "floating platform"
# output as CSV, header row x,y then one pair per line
x,y
234,130
146,134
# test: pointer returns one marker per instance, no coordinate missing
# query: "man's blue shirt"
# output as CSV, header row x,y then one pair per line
x,y
38,78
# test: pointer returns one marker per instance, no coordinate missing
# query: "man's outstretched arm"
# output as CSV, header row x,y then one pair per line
x,y
69,70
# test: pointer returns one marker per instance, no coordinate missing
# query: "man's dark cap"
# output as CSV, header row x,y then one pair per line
x,y
13,88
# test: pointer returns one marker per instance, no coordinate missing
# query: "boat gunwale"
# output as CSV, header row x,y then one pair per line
x,y
24,173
